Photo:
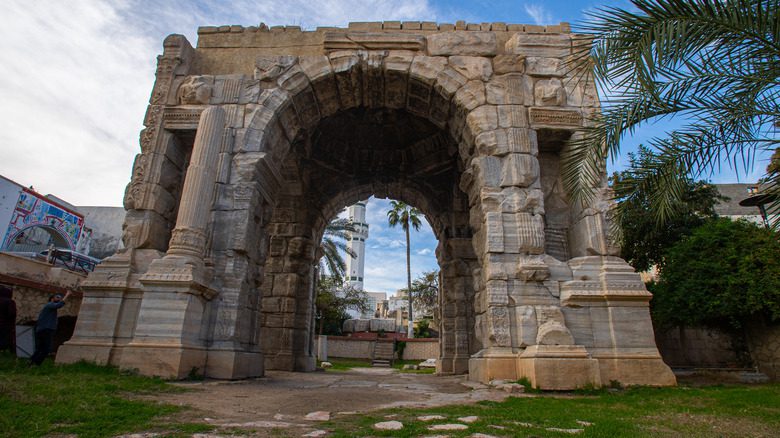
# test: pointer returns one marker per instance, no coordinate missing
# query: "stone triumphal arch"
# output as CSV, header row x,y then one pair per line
x,y
257,137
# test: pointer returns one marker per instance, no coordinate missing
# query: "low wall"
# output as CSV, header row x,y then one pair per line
x,y
764,343
421,349
355,348
32,281
698,347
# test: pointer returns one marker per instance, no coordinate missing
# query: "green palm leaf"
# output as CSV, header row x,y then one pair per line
x,y
714,63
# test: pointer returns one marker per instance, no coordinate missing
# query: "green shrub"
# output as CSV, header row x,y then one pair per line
x,y
724,274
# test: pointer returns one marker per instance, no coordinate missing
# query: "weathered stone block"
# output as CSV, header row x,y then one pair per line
x,y
472,67
481,119
512,116
549,92
506,89
519,170
505,141
471,95
541,45
523,233
463,43
526,325
503,64
537,66
427,68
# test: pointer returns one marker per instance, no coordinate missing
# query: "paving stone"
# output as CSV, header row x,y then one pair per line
x,y
317,416
261,424
569,431
316,433
389,425
449,426
469,419
431,417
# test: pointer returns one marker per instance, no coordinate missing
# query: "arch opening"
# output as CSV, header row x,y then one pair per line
x,y
344,159
37,238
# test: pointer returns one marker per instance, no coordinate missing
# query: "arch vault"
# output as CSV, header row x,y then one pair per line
x,y
257,137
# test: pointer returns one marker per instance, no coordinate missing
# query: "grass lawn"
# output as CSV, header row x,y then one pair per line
x,y
343,364
81,399
92,401
715,411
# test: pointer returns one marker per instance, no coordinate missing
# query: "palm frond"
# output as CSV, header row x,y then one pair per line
x,y
716,63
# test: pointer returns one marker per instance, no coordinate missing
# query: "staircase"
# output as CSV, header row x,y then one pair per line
x,y
383,354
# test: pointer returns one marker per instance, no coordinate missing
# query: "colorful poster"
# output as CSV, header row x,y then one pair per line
x,y
34,210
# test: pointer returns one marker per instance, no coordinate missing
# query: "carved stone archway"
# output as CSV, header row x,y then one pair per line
x,y
256,138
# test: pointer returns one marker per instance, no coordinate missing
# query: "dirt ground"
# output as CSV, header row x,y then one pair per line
x,y
282,400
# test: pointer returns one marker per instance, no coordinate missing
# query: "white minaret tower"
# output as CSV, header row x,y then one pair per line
x,y
357,243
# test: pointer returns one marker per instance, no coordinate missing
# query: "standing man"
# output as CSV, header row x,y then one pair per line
x,y
7,320
46,327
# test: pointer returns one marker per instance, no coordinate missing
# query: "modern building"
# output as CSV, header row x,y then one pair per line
x,y
31,222
731,208
357,244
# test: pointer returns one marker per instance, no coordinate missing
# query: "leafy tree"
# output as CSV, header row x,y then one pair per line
x,y
643,240
423,329
724,274
711,63
336,233
405,215
333,301
425,292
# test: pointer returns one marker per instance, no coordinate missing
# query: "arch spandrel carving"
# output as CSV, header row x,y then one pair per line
x,y
530,289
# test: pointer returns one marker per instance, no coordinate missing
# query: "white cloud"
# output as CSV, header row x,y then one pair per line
x,y
424,251
384,242
75,85
76,78
538,13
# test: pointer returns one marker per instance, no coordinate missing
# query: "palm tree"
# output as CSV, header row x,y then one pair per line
x,y
405,215
713,63
336,233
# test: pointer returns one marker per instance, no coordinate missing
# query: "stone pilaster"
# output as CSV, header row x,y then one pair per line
x,y
456,305
189,235
168,339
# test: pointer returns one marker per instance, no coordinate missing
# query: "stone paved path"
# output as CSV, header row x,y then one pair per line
x,y
284,399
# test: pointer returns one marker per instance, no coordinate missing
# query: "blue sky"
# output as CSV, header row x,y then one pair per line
x,y
76,78
385,268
